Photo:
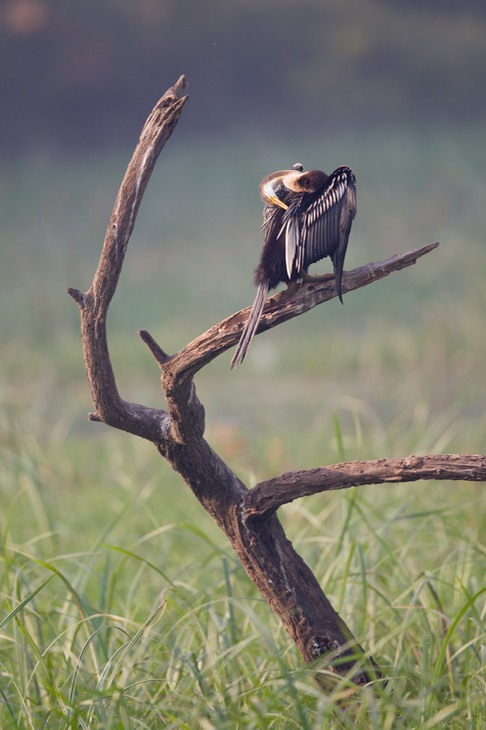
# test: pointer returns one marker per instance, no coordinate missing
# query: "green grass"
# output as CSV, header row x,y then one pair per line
x,y
121,603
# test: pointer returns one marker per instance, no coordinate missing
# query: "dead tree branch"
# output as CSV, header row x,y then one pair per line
x,y
110,408
292,302
266,497
248,518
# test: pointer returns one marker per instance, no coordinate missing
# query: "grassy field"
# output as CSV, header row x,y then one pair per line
x,y
122,605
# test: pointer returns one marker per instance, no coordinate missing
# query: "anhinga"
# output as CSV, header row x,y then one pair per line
x,y
307,216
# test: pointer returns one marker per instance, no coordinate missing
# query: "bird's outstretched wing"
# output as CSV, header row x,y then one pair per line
x,y
324,222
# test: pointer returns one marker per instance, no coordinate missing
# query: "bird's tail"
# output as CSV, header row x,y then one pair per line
x,y
251,325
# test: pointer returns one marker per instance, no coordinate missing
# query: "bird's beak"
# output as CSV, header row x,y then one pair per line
x,y
267,189
273,200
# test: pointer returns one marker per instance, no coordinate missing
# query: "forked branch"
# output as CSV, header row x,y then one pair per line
x,y
247,517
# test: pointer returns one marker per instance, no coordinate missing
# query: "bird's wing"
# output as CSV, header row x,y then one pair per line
x,y
291,230
292,245
348,212
326,222
270,214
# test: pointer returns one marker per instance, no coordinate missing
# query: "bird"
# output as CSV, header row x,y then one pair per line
x,y
307,216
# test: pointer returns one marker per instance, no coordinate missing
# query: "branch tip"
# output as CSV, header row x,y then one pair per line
x,y
160,356
180,85
94,417
78,296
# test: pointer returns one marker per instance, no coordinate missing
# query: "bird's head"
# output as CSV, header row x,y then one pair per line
x,y
269,184
304,182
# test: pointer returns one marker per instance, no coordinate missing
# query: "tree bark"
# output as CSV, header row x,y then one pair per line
x,y
247,517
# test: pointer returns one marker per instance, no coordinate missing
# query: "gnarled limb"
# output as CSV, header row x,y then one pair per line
x,y
266,497
110,407
247,517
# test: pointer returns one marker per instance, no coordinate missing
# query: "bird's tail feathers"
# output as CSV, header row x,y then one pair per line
x,y
251,325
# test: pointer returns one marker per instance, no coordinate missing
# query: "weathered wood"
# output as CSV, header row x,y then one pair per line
x,y
270,561
110,407
285,305
266,497
247,517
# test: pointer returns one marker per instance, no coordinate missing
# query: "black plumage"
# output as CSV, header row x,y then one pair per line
x,y
307,216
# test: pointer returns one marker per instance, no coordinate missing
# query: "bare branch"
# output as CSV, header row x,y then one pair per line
x,y
185,410
160,357
157,130
266,497
110,407
77,295
283,306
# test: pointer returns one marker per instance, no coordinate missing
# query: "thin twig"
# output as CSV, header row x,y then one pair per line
x,y
160,356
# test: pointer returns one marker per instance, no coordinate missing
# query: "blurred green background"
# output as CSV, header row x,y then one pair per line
x,y
393,89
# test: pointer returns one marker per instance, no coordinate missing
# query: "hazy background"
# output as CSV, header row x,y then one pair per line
x,y
79,76
395,90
